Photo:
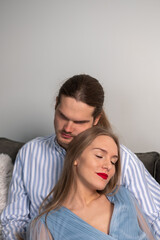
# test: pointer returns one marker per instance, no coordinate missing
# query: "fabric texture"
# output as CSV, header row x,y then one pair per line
x,y
10,147
158,171
37,168
63,224
148,158
6,168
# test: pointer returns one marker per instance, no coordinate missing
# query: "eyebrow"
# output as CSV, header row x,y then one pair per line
x,y
75,121
105,151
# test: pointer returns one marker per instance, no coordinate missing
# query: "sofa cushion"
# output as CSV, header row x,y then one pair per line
x,y
149,159
10,147
158,171
6,168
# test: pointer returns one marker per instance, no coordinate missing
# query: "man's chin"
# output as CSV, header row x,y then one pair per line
x,y
64,142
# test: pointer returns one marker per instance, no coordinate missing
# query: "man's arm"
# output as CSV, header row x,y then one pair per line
x,y
144,187
15,216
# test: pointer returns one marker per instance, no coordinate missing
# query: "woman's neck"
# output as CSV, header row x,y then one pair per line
x,y
80,197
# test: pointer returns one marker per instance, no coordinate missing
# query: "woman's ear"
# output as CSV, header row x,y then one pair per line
x,y
75,163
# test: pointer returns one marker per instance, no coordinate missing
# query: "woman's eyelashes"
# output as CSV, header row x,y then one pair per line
x,y
98,156
101,156
113,163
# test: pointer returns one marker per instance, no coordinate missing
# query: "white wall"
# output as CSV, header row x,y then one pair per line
x,y
44,42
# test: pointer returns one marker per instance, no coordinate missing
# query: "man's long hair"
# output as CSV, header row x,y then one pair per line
x,y
88,90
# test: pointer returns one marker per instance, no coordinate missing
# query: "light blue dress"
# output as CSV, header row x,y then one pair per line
x,y
63,224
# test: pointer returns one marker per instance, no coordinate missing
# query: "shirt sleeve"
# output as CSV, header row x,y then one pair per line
x,y
15,216
143,186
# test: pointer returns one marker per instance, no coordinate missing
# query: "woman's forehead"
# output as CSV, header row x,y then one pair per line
x,y
103,142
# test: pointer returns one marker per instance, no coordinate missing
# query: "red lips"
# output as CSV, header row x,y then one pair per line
x,y
103,175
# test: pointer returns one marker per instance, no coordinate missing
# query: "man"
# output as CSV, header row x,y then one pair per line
x,y
79,106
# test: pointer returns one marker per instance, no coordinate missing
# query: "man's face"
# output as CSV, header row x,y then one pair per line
x,y
71,118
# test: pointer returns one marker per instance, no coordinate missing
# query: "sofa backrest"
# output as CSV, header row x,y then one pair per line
x,y
10,147
151,160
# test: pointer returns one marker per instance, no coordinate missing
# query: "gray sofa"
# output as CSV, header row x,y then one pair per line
x,y
151,160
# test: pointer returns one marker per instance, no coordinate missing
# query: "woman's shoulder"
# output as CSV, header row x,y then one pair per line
x,y
122,190
122,195
54,216
58,222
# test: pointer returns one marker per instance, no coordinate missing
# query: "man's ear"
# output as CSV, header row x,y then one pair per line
x,y
96,120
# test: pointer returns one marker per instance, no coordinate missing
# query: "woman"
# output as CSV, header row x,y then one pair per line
x,y
87,203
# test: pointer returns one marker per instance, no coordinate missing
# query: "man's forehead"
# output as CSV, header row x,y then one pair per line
x,y
69,105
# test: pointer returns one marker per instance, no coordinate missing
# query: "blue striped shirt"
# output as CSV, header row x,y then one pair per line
x,y
37,169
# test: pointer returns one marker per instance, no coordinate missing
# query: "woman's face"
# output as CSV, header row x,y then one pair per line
x,y
96,165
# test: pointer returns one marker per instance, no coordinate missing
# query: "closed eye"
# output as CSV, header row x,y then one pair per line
x,y
98,156
114,160
81,122
113,163
62,116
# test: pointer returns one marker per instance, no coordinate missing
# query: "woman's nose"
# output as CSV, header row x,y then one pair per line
x,y
107,165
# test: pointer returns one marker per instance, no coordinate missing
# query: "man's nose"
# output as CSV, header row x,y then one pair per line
x,y
68,126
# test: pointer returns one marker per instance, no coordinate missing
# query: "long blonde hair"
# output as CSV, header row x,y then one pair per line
x,y
60,192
